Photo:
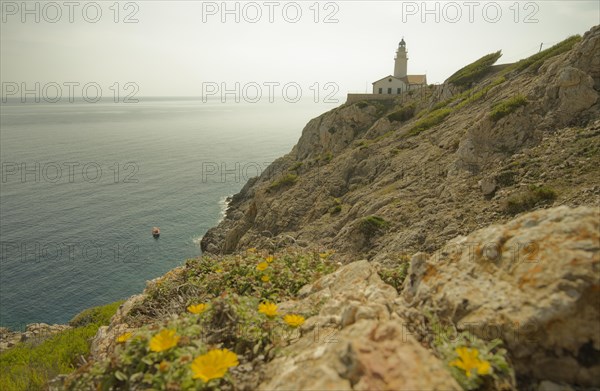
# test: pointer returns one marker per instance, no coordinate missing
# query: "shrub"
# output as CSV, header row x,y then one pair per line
x,y
232,324
208,277
29,366
284,181
506,107
209,303
372,225
296,166
474,71
533,63
326,157
404,114
434,118
524,201
336,206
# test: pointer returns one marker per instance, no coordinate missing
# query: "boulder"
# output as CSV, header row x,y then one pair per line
x,y
532,282
354,342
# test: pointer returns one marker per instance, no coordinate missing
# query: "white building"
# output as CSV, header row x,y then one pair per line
x,y
399,82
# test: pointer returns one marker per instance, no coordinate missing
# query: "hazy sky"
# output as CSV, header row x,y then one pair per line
x,y
176,46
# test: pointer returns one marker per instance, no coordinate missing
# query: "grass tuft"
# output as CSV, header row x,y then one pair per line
x,y
284,181
506,107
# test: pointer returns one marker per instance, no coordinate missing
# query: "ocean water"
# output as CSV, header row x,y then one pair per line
x,y
83,184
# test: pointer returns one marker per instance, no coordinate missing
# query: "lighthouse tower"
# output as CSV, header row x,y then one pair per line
x,y
400,67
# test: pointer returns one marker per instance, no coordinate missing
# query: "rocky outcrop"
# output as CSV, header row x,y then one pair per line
x,y
105,339
35,332
354,162
533,282
355,342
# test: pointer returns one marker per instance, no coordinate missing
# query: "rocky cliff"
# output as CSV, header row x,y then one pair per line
x,y
445,240
428,185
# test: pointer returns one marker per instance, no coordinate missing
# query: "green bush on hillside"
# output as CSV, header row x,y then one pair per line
x,y
534,195
474,71
533,63
208,277
430,120
506,107
403,114
372,225
284,181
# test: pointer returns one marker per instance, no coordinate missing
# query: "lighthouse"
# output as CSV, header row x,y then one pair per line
x,y
398,83
401,60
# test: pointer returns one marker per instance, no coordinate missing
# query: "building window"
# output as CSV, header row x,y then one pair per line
x,y
389,90
399,90
381,90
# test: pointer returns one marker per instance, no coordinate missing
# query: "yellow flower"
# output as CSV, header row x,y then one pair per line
x,y
269,259
164,340
219,271
197,308
469,360
293,320
268,308
213,365
251,250
323,255
124,337
265,278
262,266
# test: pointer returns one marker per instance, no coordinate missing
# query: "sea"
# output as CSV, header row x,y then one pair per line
x,y
83,184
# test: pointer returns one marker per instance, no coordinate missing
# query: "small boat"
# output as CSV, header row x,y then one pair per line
x,y
155,232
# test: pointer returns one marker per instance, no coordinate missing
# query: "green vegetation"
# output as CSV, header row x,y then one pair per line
x,y
474,71
372,225
208,277
533,63
284,181
468,96
430,120
473,95
506,107
296,166
336,207
96,315
524,201
30,365
211,303
231,322
326,157
473,362
395,276
403,114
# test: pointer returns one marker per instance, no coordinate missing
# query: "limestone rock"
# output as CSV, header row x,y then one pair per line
x,y
533,282
105,339
34,332
353,343
333,131
575,91
488,186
